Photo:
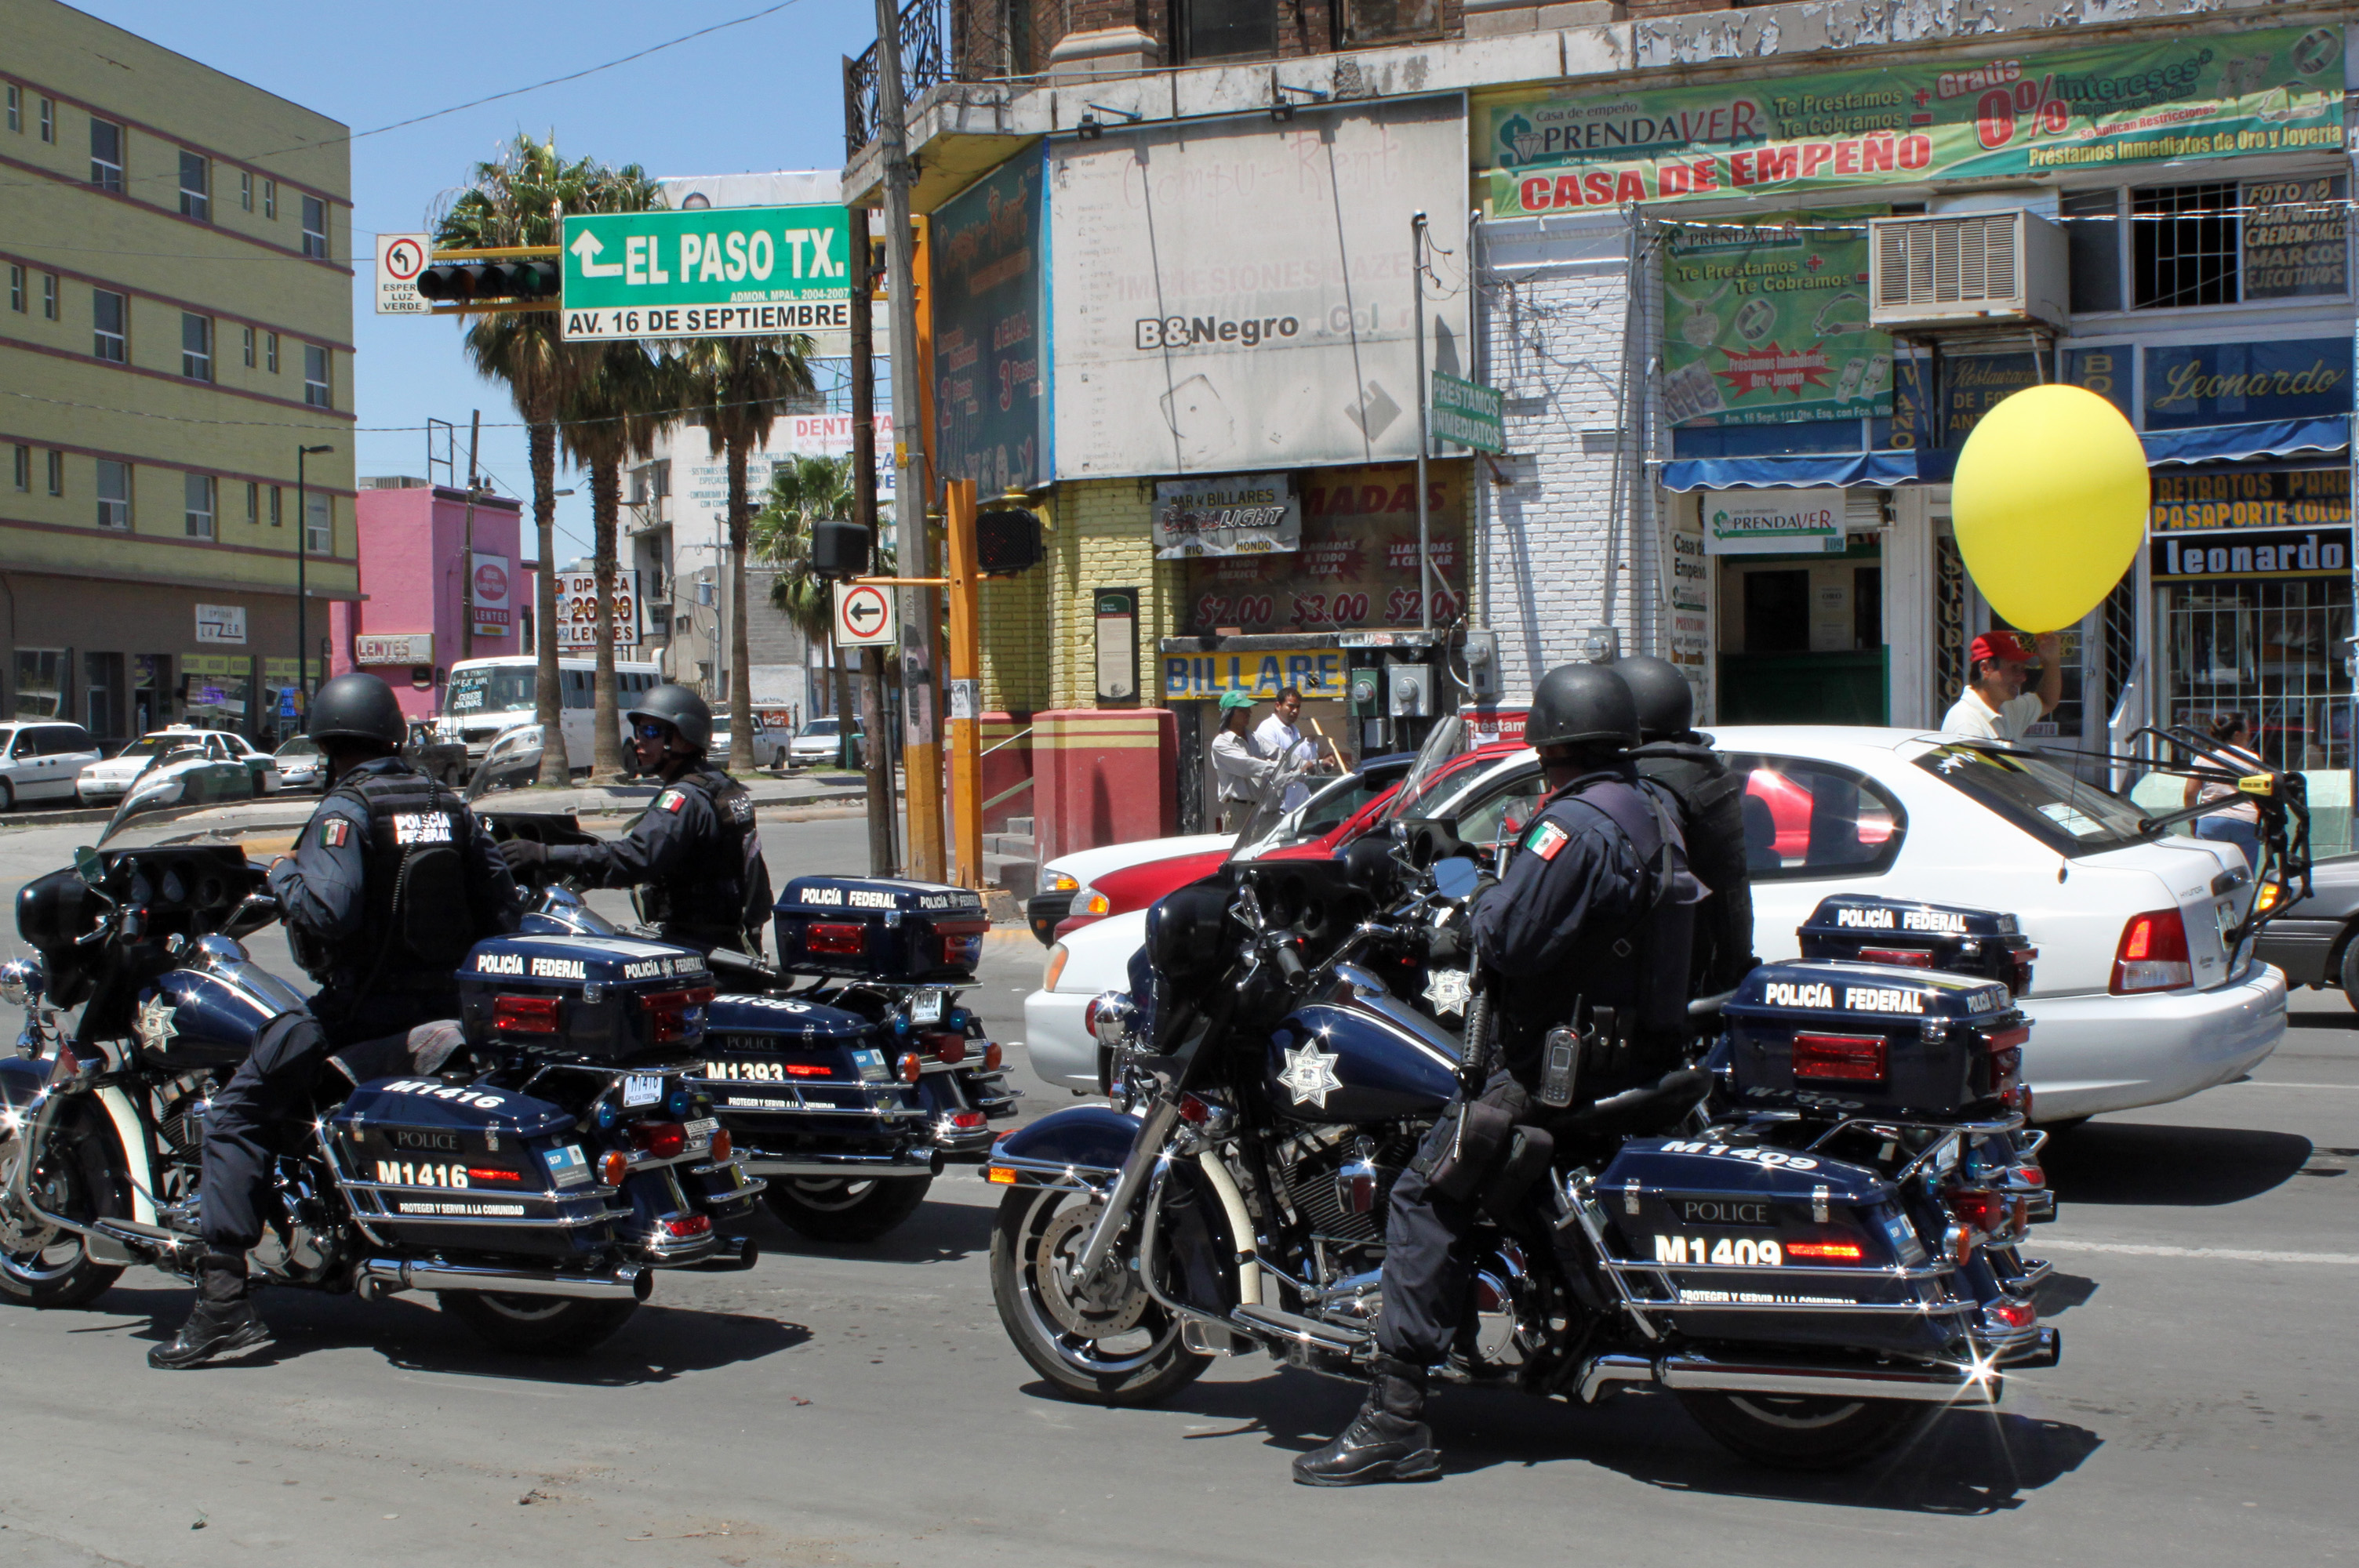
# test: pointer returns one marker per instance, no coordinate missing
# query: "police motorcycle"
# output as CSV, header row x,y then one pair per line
x,y
532,1167
851,1094
1808,1288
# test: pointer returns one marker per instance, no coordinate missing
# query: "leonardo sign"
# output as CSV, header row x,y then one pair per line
x,y
725,271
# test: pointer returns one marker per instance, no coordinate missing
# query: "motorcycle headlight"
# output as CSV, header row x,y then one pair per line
x,y
20,982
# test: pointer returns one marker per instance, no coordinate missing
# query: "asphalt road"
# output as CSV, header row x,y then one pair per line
x,y
861,1406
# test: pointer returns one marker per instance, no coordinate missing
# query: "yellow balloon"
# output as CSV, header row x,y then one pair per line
x,y
2049,501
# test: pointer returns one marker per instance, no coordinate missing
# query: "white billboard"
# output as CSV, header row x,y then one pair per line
x,y
487,592
1238,295
576,608
700,480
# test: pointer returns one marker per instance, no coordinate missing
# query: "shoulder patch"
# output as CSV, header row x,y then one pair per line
x,y
671,800
334,831
1546,839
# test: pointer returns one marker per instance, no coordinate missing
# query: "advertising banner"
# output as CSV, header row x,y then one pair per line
x,y
2122,106
2297,237
1316,673
987,246
2242,383
1357,564
488,595
1766,325
2202,502
1189,341
577,608
2262,553
1773,521
700,477
1237,514
393,648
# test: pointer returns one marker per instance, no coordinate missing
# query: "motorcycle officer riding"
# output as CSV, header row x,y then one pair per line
x,y
389,884
693,855
1590,926
1711,818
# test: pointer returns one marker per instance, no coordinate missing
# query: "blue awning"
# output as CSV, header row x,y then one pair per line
x,y
2239,443
1841,470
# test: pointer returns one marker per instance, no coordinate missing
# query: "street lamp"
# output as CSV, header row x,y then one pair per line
x,y
302,600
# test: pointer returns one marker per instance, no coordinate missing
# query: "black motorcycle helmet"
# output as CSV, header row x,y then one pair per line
x,y
1666,702
1583,705
357,706
679,708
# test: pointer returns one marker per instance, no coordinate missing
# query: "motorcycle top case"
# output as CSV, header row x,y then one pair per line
x,y
774,1053
880,928
1740,1239
599,998
1870,930
434,1164
1872,1040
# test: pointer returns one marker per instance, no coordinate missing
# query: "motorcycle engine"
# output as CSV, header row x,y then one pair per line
x,y
1339,1180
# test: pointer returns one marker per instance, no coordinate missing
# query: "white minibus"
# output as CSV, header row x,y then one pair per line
x,y
488,695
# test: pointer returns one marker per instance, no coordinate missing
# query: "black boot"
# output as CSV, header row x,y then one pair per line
x,y
224,1322
1386,1442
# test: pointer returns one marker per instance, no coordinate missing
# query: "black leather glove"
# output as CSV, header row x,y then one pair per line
x,y
523,853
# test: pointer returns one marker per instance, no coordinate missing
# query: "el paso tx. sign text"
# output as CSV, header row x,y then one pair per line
x,y
717,272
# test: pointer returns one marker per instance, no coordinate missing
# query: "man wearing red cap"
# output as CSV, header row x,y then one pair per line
x,y
1994,706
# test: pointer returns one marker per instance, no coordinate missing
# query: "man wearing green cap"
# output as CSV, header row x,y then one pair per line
x,y
1250,784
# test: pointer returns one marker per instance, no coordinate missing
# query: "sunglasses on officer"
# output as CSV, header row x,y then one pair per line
x,y
652,732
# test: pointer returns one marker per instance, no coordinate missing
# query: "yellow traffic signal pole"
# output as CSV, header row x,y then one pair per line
x,y
964,659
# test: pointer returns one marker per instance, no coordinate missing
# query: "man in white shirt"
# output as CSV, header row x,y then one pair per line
x,y
1277,739
1994,707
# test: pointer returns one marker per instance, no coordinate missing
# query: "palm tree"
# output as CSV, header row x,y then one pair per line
x,y
804,491
614,414
516,200
737,388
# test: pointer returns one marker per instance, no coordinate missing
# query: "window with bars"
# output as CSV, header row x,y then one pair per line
x,y
196,346
315,226
110,326
106,154
2272,649
114,494
196,186
2183,241
197,512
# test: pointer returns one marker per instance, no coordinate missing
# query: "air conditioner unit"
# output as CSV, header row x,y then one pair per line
x,y
1966,269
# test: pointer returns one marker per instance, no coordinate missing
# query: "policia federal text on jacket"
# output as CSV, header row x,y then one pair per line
x,y
694,855
387,887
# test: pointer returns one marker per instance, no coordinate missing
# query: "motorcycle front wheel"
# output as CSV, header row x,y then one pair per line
x,y
833,1208
1801,1432
1112,1345
538,1325
42,1265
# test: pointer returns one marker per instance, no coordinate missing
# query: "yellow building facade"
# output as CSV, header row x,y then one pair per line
x,y
178,324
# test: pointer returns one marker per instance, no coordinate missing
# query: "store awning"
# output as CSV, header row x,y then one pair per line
x,y
1806,472
2242,443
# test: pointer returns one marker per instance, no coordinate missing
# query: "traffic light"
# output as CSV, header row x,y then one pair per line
x,y
537,278
452,281
839,549
1008,538
457,278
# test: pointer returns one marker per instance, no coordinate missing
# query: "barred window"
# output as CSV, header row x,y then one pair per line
x,y
2183,241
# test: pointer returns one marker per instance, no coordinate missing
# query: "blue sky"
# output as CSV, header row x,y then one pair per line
x,y
765,95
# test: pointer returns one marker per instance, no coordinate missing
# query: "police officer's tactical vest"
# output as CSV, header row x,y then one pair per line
x,y
1640,967
1711,797
416,922
722,891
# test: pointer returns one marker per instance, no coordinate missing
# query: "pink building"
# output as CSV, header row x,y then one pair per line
x,y
411,624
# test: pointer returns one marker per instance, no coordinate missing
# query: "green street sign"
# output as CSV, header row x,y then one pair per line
x,y
720,272
1469,414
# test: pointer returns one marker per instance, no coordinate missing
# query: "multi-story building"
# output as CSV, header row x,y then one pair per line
x,y
1744,280
177,326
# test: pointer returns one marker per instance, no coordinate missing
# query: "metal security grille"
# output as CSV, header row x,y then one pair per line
x,y
2271,650
2183,245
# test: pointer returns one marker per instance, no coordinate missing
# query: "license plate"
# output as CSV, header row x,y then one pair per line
x,y
926,1005
642,1088
701,1129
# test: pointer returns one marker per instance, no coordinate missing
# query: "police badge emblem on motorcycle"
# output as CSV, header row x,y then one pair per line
x,y
1448,990
1309,1075
156,1026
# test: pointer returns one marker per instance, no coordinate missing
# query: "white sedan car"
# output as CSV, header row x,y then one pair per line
x,y
2135,999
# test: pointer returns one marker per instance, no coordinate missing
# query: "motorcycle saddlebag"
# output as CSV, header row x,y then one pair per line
x,y
1874,1040
1870,930
883,929
453,1166
776,1063
1740,1241
603,999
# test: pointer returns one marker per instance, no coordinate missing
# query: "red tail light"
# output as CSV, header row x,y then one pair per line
x,y
490,1174
662,1139
694,1224
1977,1206
2004,1040
948,1047
2014,1315
524,1015
2153,954
809,1070
828,936
966,1120
1194,1111
2021,962
1833,1251
1851,1058
962,942
1912,957
669,1011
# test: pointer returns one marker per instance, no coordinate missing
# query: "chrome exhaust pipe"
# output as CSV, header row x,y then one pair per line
x,y
1304,1330
734,1254
382,1276
1945,1386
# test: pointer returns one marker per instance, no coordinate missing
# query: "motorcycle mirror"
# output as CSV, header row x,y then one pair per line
x,y
1456,877
89,867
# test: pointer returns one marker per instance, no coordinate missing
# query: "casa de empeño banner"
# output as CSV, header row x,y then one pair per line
x,y
2270,90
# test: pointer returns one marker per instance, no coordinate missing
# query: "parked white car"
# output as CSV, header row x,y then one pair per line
x,y
302,766
2134,1000
104,783
820,742
770,741
41,760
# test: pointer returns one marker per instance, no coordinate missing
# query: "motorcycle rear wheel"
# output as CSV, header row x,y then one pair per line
x,y
1796,1432
834,1209
538,1325
42,1266
1132,1354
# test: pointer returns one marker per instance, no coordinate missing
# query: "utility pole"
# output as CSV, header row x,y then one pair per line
x,y
467,554
922,755
303,589
876,747
1424,429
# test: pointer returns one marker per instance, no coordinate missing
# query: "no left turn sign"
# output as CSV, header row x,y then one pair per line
x,y
864,616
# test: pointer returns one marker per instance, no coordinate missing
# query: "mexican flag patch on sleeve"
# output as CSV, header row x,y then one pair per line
x,y
671,800
334,831
1545,840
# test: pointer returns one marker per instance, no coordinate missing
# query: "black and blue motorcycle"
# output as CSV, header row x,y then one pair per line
x,y
533,1167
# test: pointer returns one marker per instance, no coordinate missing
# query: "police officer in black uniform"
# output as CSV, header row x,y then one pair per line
x,y
1711,818
693,854
1588,925
389,886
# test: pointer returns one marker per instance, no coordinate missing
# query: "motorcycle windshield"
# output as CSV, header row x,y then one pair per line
x,y
1433,759
156,808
